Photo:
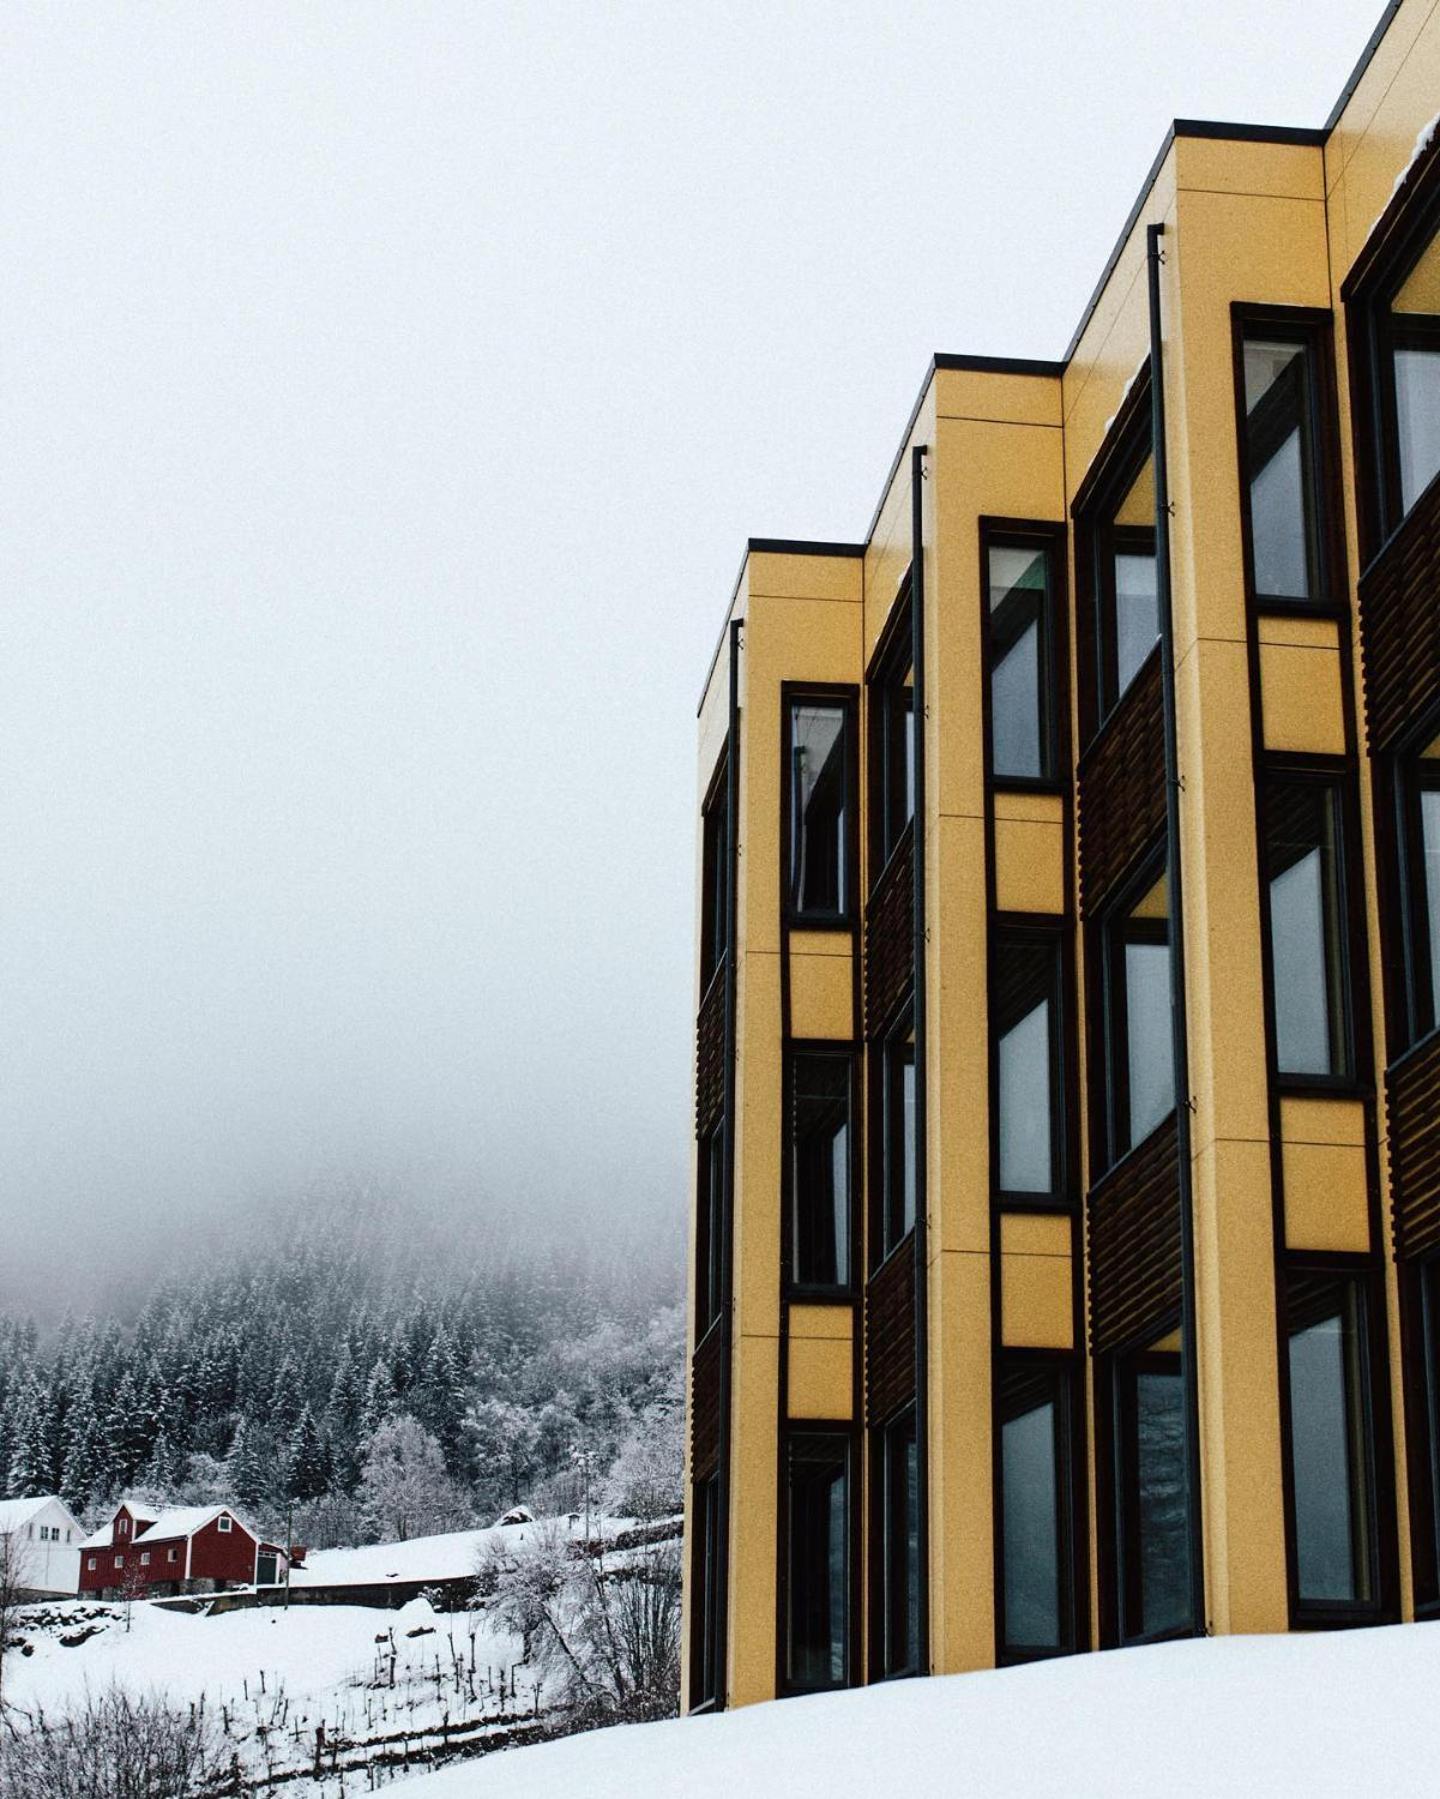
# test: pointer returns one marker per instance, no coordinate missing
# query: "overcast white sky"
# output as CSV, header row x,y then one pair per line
x,y
388,390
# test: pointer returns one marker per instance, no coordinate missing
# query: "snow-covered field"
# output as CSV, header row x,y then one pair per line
x,y
1348,1713
381,1685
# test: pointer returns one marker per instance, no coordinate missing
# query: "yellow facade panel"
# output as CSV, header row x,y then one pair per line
x,y
1301,701
1004,398
1231,165
959,1172
1029,866
1036,1301
1322,1120
1326,1198
821,943
962,1539
784,576
758,1139
1294,628
821,997
821,1378
754,1521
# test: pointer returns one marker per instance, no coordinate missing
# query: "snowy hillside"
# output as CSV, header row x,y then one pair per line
x,y
1351,1712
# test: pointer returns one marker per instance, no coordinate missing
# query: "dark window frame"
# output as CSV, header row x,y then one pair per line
x,y
846,698
714,873
1116,1378
1335,775
843,1433
1420,1331
1011,934
791,1288
890,700
709,1230
1403,775
889,1558
1313,330
707,1599
1064,1373
886,1125
1109,1059
1397,242
1382,1607
1050,538
1123,454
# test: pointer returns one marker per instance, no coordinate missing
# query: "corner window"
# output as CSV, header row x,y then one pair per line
x,y
1127,584
709,1207
714,876
1418,807
892,742
1281,464
822,1151
1411,391
1138,1024
819,764
1330,1442
1153,1493
899,1560
1023,723
1304,879
1038,1611
1026,1019
817,1650
898,1146
705,1572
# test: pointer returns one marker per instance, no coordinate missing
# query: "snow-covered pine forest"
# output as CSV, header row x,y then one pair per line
x,y
373,1387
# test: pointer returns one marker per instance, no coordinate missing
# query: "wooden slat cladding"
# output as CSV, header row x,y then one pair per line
x,y
1122,789
710,1056
890,1336
1133,1239
705,1407
890,937
1400,625
1412,1106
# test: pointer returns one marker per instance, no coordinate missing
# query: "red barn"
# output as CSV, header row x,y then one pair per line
x,y
143,1554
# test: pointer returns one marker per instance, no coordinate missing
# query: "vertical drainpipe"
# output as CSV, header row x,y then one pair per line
x,y
922,1308
1154,256
727,1221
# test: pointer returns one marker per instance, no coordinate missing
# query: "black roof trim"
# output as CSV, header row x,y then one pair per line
x,y
998,365
800,546
1313,136
1358,72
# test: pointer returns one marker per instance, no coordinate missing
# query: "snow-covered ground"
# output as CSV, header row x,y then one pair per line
x,y
390,1683
450,1557
1348,1713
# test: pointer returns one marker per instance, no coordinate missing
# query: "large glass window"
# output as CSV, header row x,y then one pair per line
x,y
819,771
1414,378
705,1569
1138,1022
709,1228
1418,792
714,878
822,1150
900,1549
1022,664
1128,586
1304,873
892,770
1027,1061
898,1145
1330,1448
1282,484
1035,1510
818,1583
1153,1491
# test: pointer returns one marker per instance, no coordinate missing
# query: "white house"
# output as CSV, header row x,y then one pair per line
x,y
48,1539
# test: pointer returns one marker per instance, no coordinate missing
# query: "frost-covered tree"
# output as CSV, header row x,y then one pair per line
x,y
307,1461
405,1490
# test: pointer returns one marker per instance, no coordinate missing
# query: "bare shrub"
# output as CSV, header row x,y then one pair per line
x,y
116,1746
14,1575
604,1629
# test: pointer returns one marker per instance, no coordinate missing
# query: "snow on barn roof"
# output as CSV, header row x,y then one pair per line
x,y
159,1527
15,1512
